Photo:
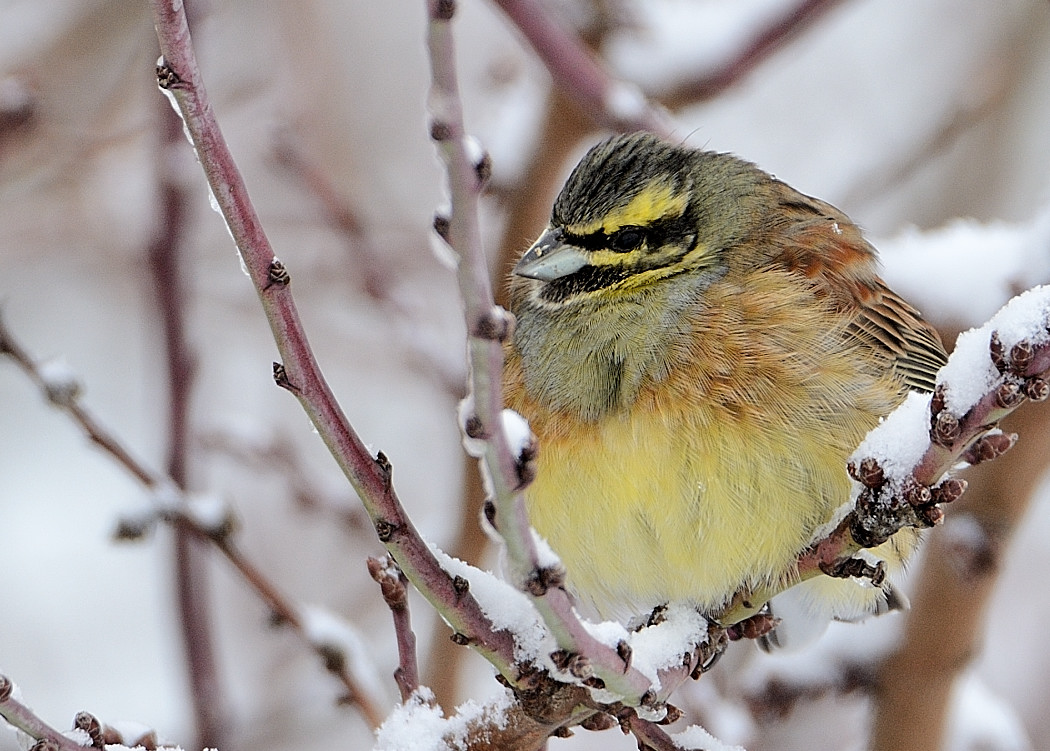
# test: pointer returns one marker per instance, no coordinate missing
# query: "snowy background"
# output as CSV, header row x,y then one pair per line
x,y
925,121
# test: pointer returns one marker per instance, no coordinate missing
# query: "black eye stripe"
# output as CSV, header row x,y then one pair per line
x,y
591,241
632,237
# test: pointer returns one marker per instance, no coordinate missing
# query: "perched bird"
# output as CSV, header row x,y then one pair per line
x,y
699,348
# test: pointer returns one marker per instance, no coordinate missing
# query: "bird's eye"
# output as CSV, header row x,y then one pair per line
x,y
627,239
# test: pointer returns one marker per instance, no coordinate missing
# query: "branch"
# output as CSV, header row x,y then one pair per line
x,y
179,77
770,39
527,207
901,466
395,594
368,265
611,103
205,519
275,453
618,105
508,470
20,716
949,614
164,255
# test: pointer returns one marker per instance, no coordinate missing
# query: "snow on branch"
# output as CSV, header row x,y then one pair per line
x,y
298,372
21,717
87,731
506,448
595,675
507,471
900,468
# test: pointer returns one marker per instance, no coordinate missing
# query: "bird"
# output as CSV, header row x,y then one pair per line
x,y
698,349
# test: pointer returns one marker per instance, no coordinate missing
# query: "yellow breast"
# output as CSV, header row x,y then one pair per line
x,y
715,473
648,507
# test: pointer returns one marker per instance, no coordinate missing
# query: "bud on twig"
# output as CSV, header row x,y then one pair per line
x,y
89,724
1008,395
1036,389
444,10
1021,355
931,515
917,494
989,446
938,400
673,714
599,721
625,652
441,226
949,490
945,429
543,579
997,352
869,473
496,325
440,131
167,78
278,274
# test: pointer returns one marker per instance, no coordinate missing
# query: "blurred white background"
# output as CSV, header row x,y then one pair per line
x,y
906,115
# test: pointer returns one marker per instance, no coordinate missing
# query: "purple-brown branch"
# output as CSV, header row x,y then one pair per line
x,y
19,716
611,103
164,255
915,499
394,586
652,737
619,105
178,75
770,39
174,507
487,326
279,456
22,717
367,264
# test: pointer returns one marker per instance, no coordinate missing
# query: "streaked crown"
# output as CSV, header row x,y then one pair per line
x,y
637,209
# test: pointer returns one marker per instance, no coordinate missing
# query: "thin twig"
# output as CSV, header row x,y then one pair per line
x,y
395,594
770,39
777,697
164,254
949,614
299,372
340,215
611,103
618,105
65,397
487,327
982,96
651,737
20,716
527,210
914,497
279,457
368,265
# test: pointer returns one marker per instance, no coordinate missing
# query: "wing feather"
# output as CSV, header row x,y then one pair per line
x,y
820,242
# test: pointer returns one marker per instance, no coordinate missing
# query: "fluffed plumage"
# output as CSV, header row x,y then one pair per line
x,y
699,348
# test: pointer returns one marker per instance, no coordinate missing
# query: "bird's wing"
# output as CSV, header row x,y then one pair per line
x,y
820,242
892,325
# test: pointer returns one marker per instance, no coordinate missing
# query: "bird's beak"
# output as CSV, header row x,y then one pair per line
x,y
550,258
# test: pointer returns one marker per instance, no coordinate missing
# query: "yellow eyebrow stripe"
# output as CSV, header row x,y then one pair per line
x,y
654,202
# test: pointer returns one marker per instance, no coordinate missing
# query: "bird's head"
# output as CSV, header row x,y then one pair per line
x,y
637,210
